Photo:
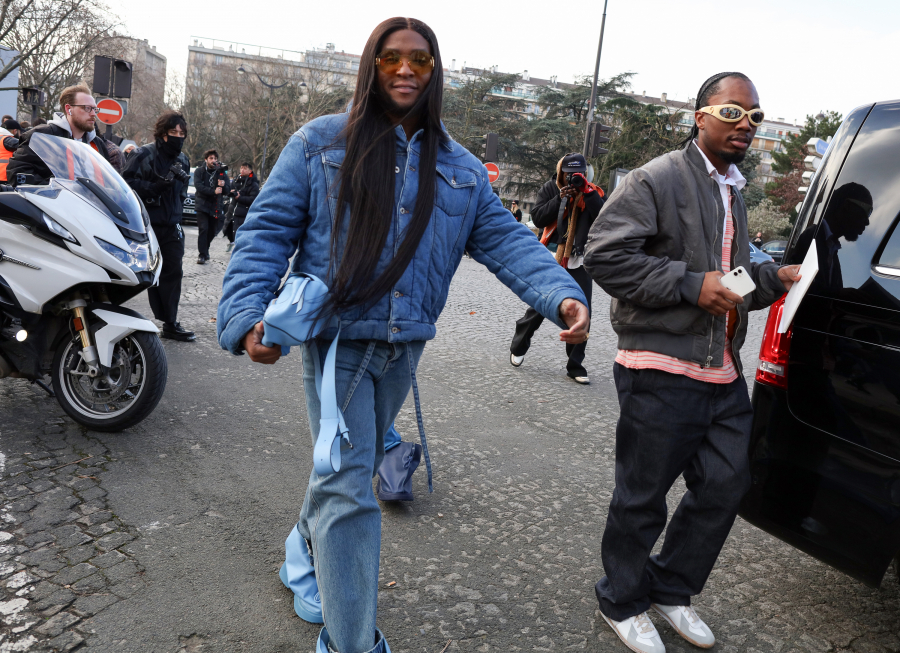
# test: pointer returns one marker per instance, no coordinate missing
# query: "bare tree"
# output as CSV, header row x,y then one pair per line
x,y
54,38
228,111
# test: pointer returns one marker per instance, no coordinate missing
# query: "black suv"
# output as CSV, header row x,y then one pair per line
x,y
825,446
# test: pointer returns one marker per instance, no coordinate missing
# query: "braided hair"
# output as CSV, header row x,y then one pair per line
x,y
709,88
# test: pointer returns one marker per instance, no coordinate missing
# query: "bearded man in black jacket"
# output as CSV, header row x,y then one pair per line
x,y
211,187
566,195
148,173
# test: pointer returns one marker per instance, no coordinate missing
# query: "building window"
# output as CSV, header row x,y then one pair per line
x,y
200,56
219,59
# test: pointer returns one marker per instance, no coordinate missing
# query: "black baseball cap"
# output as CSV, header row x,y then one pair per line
x,y
574,162
11,124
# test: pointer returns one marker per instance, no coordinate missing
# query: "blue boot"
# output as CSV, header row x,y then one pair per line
x,y
323,645
395,473
298,575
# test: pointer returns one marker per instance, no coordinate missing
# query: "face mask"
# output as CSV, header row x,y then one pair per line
x,y
174,144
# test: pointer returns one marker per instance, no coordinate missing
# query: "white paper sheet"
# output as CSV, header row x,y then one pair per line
x,y
808,270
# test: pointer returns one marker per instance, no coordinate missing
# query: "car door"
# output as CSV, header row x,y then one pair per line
x,y
844,369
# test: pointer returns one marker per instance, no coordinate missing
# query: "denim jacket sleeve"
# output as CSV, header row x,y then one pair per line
x,y
264,245
509,250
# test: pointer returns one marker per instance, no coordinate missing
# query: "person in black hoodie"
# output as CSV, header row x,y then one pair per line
x,y
211,187
76,120
147,171
554,216
246,188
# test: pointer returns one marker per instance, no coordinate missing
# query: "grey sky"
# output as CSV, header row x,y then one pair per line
x,y
803,55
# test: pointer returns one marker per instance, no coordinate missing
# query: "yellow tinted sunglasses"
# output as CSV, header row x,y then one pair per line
x,y
734,113
390,61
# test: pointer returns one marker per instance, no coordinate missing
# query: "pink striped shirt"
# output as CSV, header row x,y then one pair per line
x,y
641,360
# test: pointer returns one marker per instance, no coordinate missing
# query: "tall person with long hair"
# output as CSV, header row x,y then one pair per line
x,y
381,203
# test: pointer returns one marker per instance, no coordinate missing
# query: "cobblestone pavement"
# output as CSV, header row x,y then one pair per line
x,y
168,536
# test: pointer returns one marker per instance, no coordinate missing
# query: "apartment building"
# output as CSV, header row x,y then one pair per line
x,y
217,59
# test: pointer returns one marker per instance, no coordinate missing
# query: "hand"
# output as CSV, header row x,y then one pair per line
x,y
257,351
219,191
221,182
160,186
237,195
567,192
716,298
789,275
576,316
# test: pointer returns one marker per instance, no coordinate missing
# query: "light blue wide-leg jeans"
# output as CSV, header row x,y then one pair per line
x,y
340,515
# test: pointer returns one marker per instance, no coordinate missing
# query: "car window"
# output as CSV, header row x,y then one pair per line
x,y
890,256
859,217
823,182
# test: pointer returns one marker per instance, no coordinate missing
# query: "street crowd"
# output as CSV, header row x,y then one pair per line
x,y
382,204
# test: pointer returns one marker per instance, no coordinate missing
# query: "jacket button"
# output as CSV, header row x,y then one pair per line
x,y
395,330
398,294
396,168
402,210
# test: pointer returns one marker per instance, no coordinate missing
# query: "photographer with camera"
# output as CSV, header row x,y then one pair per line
x,y
211,187
246,188
565,210
158,172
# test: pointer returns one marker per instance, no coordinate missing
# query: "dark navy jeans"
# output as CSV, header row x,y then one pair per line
x,y
671,425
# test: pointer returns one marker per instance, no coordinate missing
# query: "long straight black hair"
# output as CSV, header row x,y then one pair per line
x,y
367,177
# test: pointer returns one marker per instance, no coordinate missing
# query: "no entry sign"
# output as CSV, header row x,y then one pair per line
x,y
110,112
493,172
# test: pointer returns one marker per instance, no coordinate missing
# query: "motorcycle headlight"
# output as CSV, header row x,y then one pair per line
x,y
138,258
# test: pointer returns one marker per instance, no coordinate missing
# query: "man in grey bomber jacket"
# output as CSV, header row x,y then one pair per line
x,y
659,247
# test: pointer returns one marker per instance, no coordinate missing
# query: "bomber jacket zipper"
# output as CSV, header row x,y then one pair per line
x,y
712,249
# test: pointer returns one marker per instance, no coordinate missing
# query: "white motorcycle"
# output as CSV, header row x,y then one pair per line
x,y
70,253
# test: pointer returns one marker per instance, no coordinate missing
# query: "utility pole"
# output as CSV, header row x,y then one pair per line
x,y
590,113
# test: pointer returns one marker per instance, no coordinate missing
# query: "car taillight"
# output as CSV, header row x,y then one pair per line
x,y
773,354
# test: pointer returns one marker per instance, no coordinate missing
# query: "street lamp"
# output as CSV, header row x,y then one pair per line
x,y
819,118
241,70
590,113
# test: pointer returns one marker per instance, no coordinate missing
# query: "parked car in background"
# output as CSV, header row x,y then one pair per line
x,y
825,443
189,212
775,249
757,255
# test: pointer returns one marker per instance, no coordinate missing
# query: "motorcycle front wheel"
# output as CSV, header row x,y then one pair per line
x,y
118,398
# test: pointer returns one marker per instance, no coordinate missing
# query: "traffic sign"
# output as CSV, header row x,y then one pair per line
x,y
110,112
493,172
816,146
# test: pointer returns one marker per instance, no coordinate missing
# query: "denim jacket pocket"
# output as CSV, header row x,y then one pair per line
x,y
332,160
454,189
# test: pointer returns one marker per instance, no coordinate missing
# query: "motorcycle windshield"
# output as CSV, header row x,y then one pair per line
x,y
78,167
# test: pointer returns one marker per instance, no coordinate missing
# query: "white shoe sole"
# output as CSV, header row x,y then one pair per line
x,y
678,630
512,361
622,639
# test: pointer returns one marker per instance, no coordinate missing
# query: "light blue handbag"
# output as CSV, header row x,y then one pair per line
x,y
294,318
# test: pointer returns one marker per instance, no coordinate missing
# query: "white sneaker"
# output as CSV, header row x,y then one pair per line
x,y
516,361
687,624
637,633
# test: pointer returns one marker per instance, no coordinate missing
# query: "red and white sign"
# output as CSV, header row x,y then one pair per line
x,y
109,111
493,172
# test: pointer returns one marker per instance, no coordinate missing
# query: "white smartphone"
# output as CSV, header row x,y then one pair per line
x,y
738,281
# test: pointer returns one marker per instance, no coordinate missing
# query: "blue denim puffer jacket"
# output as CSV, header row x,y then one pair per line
x,y
296,209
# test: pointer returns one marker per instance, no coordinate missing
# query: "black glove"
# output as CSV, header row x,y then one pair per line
x,y
160,186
